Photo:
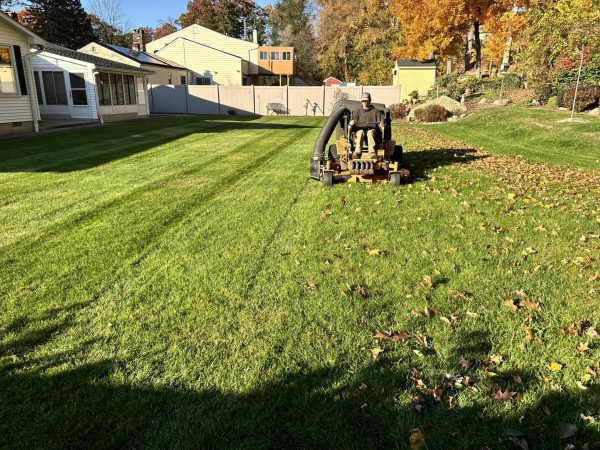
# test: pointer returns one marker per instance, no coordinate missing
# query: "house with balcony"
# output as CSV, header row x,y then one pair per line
x,y
213,58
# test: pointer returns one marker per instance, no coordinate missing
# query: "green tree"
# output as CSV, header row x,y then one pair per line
x,y
291,25
234,18
61,22
356,39
560,31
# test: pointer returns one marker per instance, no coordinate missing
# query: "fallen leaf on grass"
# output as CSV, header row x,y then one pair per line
x,y
416,439
376,252
310,284
501,396
555,367
496,359
510,303
529,251
590,419
325,213
460,294
531,305
385,335
450,251
427,280
375,351
343,200
582,348
546,410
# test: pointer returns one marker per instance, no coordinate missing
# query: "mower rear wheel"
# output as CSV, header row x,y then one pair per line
x,y
397,156
328,177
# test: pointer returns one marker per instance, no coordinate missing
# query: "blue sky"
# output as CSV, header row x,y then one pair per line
x,y
151,12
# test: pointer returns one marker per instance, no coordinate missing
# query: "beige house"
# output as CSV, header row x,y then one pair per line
x,y
19,112
214,58
413,75
163,70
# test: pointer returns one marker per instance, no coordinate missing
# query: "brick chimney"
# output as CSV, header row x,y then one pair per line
x,y
254,36
139,43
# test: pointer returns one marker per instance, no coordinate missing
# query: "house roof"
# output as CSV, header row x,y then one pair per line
x,y
203,45
13,23
173,36
100,63
144,57
332,78
414,63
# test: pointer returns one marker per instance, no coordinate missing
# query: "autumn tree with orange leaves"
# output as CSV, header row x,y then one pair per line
x,y
447,27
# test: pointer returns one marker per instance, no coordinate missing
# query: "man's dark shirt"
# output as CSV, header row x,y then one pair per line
x,y
367,118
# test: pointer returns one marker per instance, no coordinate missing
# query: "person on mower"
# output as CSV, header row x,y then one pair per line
x,y
365,121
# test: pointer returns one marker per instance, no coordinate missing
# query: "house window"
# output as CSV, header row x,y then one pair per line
x,y
38,87
183,80
205,81
8,79
129,89
104,89
275,56
120,93
78,89
55,90
287,56
264,55
113,89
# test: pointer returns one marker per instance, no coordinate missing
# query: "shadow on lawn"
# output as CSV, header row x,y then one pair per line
x,y
46,404
66,151
419,163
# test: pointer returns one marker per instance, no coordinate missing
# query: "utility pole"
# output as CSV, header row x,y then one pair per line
x,y
577,85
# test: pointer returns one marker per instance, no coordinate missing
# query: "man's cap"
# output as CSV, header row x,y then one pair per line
x,y
365,96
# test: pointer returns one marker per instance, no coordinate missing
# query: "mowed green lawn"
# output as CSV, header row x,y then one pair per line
x,y
181,283
537,134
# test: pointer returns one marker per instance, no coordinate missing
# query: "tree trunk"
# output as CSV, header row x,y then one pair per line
x,y
506,56
468,47
477,44
449,66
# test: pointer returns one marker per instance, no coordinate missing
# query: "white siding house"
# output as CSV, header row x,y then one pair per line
x,y
164,70
75,85
18,103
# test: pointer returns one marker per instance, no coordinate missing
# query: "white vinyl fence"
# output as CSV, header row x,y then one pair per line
x,y
261,100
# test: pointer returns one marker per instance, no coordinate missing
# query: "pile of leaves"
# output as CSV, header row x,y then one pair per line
x,y
431,113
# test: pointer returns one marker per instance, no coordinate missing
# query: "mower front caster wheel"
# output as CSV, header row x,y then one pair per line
x,y
328,177
395,178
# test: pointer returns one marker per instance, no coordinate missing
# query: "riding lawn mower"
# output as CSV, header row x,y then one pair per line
x,y
339,164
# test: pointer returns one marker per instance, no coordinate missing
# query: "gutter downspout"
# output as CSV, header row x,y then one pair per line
x,y
100,119
31,90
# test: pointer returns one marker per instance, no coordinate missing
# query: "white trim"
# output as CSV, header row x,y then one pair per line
x,y
13,66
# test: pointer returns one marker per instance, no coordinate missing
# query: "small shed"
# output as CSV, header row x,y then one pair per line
x,y
332,81
413,75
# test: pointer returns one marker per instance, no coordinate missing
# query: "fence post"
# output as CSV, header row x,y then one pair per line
x,y
153,107
287,96
218,101
187,110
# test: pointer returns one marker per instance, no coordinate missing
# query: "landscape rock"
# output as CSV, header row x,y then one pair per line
x,y
449,104
562,108
483,101
534,102
595,112
501,102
